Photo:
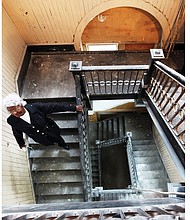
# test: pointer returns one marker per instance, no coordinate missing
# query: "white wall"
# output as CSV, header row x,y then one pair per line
x,y
16,184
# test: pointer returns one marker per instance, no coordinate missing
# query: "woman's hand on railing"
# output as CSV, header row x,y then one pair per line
x,y
79,108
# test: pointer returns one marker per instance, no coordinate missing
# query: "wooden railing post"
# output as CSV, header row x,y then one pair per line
x,y
155,54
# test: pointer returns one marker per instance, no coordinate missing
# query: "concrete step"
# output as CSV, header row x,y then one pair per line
x,y
67,124
65,120
59,189
61,153
149,153
143,147
70,138
146,167
69,131
154,184
143,142
73,138
59,199
151,174
69,163
58,177
64,116
36,146
147,160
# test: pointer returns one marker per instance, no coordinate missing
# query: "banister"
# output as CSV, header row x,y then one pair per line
x,y
170,72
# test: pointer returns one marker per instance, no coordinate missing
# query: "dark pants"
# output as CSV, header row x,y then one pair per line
x,y
52,131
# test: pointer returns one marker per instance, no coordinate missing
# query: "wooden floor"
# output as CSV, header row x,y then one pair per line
x,y
48,73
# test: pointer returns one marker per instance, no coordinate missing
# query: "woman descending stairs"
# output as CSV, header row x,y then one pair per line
x,y
56,172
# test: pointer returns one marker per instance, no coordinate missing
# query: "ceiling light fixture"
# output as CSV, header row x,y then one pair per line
x,y
101,18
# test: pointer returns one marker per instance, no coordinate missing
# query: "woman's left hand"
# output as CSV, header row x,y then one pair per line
x,y
79,108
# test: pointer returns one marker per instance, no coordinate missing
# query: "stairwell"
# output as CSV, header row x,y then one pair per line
x,y
149,166
56,173
150,170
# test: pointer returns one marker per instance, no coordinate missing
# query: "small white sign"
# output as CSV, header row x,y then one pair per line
x,y
157,54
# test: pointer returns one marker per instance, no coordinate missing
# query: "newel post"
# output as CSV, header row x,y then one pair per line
x,y
155,54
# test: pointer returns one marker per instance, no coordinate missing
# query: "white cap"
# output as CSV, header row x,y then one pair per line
x,y
13,99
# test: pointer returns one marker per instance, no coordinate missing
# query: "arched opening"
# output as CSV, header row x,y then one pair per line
x,y
130,28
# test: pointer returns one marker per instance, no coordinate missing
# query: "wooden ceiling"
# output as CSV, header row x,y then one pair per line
x,y
75,22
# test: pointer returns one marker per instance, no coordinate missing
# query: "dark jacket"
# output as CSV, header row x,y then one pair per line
x,y
42,129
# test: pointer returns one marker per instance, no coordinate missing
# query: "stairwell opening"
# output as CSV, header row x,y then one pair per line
x,y
114,167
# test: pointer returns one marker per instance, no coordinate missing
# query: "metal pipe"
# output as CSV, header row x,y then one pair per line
x,y
160,192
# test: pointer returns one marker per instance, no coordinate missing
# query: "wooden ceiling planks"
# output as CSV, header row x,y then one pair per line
x,y
56,21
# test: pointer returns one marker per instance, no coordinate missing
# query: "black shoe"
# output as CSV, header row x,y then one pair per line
x,y
62,144
65,146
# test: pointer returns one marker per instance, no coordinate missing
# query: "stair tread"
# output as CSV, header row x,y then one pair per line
x,y
143,142
55,164
37,146
145,153
154,186
146,159
145,167
54,153
151,174
59,198
67,138
155,181
67,124
58,177
63,116
59,189
144,147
